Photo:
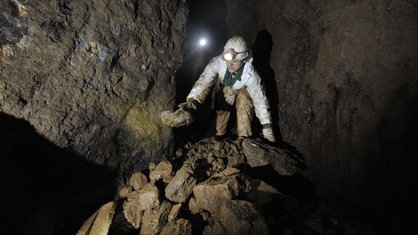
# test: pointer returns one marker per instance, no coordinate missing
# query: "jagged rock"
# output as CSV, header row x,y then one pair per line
x,y
177,118
236,160
124,191
99,223
219,199
228,171
181,186
215,227
139,201
120,225
218,165
174,212
161,171
210,148
148,197
241,217
153,220
210,194
205,215
177,227
193,208
236,156
132,214
260,193
261,154
231,153
138,180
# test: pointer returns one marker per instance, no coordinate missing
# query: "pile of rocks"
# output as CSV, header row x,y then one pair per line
x,y
206,189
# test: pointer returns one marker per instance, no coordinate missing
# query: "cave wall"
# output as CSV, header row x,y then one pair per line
x,y
346,75
93,76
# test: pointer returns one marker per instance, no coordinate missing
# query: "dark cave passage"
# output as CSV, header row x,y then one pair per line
x,y
52,189
206,20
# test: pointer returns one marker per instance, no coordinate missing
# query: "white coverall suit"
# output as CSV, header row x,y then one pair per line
x,y
246,93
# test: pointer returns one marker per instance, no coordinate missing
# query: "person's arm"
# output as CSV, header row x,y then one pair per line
x,y
261,105
206,80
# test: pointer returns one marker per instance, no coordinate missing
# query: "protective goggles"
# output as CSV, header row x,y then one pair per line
x,y
231,54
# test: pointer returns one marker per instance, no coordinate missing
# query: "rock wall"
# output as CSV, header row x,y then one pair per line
x,y
93,76
345,73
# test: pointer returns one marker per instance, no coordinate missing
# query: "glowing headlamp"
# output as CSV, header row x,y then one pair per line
x,y
230,54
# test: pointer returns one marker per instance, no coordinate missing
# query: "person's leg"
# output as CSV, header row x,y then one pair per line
x,y
222,118
224,101
245,113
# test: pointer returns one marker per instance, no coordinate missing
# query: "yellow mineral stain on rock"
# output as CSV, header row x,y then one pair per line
x,y
142,120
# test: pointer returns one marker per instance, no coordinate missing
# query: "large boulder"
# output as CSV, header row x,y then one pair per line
x,y
94,76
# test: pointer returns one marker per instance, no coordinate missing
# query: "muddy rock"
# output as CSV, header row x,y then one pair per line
x,y
241,217
282,160
181,186
138,180
207,200
161,171
155,219
210,195
179,227
139,201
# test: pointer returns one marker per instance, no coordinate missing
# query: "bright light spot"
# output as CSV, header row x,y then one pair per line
x,y
228,56
203,42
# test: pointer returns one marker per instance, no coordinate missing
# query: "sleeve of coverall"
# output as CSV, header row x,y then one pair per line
x,y
206,80
261,104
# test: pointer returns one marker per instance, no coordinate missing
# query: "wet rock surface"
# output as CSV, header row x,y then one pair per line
x,y
208,194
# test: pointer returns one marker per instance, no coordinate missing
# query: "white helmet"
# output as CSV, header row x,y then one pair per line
x,y
235,49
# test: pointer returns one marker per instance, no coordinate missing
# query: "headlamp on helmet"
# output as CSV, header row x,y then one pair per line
x,y
231,54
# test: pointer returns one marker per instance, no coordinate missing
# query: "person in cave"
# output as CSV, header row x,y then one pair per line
x,y
236,86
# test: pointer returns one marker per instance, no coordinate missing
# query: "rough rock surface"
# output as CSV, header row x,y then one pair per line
x,y
342,80
283,160
93,76
341,77
225,200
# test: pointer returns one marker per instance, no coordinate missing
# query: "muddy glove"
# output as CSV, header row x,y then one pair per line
x,y
268,132
190,104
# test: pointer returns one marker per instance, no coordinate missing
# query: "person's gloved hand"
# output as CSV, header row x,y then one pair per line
x,y
268,133
189,104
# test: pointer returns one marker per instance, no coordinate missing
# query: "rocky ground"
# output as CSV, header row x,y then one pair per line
x,y
225,187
